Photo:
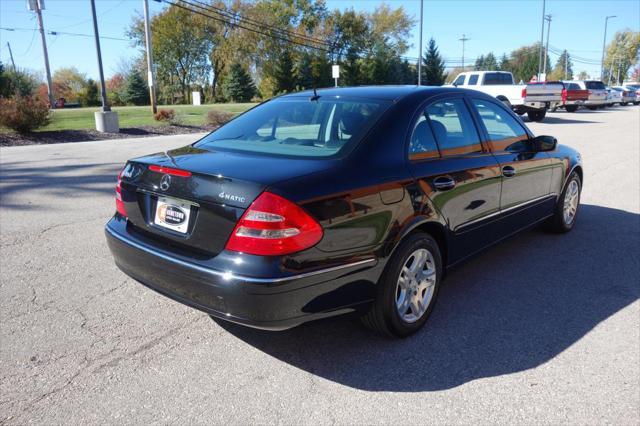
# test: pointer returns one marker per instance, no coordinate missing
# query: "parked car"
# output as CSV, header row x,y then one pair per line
x,y
627,94
635,86
573,97
533,98
597,93
315,204
613,97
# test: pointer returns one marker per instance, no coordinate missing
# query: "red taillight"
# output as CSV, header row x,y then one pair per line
x,y
119,203
524,93
564,95
274,226
169,171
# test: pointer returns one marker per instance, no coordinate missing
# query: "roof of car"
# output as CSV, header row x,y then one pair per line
x,y
372,92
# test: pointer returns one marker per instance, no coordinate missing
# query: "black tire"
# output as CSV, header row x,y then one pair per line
x,y
383,316
624,103
537,116
592,108
571,108
636,103
557,222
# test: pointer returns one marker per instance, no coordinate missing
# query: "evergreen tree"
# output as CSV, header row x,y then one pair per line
x,y
89,95
559,72
284,77
136,92
479,65
303,72
433,66
490,62
239,86
504,65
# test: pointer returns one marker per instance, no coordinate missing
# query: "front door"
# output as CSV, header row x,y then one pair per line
x,y
526,174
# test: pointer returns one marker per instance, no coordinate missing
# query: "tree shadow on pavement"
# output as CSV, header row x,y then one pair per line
x,y
510,309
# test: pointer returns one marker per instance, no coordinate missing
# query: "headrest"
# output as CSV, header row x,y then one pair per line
x,y
350,122
440,131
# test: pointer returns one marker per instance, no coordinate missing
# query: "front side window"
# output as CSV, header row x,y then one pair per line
x,y
298,127
505,133
453,127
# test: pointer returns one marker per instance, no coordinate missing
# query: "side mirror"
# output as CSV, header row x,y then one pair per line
x,y
543,143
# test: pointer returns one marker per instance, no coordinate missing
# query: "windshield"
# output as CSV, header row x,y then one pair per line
x,y
298,126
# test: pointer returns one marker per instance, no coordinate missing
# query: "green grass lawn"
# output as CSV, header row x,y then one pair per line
x,y
133,116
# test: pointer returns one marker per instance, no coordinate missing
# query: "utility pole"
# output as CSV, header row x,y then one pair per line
x,y
463,40
147,36
106,120
544,5
11,55
420,48
546,49
604,42
37,6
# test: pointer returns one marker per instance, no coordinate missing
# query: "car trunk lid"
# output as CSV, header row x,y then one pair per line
x,y
192,198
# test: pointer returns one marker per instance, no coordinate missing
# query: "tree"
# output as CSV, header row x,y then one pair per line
x,y
433,66
504,65
238,85
524,61
621,54
68,83
490,62
180,48
116,89
563,69
303,72
89,94
136,92
17,81
284,77
479,65
583,75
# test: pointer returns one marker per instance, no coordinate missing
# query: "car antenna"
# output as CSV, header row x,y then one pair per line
x,y
315,96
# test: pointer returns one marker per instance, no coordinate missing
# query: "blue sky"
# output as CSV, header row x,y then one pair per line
x,y
497,25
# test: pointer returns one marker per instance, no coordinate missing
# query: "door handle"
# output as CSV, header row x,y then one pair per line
x,y
508,171
444,183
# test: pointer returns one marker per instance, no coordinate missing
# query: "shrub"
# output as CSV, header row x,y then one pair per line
x,y
165,115
218,118
24,113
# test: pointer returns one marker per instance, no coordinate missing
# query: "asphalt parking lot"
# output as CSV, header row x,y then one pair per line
x,y
540,329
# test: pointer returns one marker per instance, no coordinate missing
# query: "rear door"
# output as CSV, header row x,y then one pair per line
x,y
454,169
526,175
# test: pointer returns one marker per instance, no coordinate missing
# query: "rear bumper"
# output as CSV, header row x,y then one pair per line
x,y
267,303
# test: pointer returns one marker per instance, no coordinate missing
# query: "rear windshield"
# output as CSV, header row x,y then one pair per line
x,y
572,86
298,127
497,78
595,85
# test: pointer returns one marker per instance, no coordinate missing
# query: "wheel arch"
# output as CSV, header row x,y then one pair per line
x,y
437,230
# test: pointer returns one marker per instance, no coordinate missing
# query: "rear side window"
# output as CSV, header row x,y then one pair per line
x,y
505,133
595,85
473,80
453,127
298,127
459,80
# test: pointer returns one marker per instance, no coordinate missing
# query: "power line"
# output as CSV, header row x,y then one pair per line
x,y
239,25
56,33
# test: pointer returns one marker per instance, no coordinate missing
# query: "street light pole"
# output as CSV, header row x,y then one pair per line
x,y
604,42
420,48
103,90
147,37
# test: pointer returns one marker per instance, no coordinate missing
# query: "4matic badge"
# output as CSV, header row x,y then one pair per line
x,y
231,197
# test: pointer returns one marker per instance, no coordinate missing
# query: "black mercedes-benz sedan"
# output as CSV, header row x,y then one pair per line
x,y
350,199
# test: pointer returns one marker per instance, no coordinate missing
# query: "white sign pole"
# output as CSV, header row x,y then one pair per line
x,y
335,72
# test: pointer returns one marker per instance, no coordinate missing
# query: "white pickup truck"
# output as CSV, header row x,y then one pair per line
x,y
533,99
